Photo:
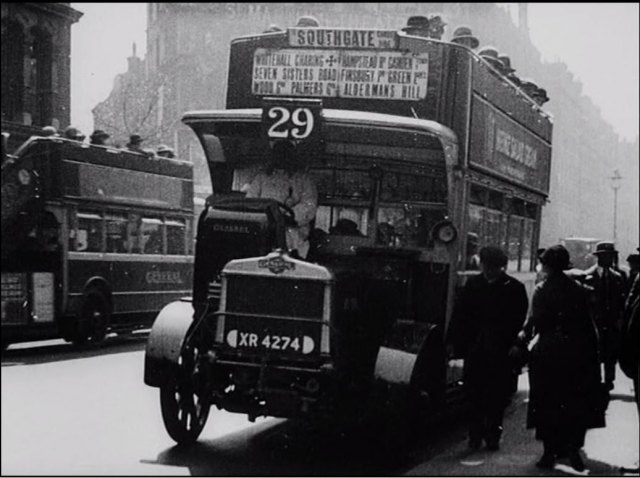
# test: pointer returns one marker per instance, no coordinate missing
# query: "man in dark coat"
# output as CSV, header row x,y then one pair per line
x,y
564,373
487,318
606,303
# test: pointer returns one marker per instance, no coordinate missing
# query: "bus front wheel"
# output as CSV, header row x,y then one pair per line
x,y
92,322
184,399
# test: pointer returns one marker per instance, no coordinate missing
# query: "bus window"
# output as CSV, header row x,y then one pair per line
x,y
352,185
407,226
116,233
151,236
413,187
175,236
89,236
343,221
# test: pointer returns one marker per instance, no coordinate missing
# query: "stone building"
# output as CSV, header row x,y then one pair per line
x,y
187,60
36,47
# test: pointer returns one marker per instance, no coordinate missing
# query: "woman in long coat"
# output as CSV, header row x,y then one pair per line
x,y
564,372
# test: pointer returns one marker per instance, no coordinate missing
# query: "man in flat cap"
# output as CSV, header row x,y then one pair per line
x,y
606,304
488,315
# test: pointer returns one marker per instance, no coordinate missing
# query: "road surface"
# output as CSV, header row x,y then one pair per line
x,y
71,412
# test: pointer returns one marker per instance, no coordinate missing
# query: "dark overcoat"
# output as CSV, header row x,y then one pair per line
x,y
486,322
564,371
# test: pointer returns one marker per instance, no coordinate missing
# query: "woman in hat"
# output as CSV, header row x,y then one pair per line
x,y
564,373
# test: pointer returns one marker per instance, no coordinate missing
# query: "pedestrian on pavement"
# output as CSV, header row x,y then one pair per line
x,y
564,373
99,137
606,303
487,318
634,267
629,350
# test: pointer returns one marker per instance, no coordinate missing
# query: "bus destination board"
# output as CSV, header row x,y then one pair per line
x,y
342,38
368,74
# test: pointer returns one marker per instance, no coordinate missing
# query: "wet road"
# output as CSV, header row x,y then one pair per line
x,y
88,412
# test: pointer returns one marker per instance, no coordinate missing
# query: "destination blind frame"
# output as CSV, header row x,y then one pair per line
x,y
343,38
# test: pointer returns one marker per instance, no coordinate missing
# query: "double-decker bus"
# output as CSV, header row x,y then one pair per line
x,y
94,239
421,154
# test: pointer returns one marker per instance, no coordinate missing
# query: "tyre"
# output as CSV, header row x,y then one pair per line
x,y
92,322
184,399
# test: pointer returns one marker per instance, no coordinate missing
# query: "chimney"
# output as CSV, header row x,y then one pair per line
x,y
523,17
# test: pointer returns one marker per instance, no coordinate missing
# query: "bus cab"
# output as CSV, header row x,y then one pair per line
x,y
382,129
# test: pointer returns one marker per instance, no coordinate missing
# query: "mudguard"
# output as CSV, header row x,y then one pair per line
x,y
165,342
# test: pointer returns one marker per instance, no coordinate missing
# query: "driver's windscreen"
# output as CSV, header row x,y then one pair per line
x,y
392,195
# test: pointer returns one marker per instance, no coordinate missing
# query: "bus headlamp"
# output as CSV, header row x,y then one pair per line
x,y
445,232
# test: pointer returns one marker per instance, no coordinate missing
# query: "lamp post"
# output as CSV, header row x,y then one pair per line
x,y
615,185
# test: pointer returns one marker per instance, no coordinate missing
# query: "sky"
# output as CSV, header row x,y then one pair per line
x,y
598,41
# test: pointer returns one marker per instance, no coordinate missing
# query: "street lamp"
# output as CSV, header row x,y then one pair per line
x,y
615,185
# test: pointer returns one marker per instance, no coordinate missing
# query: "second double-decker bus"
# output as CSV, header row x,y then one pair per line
x,y
421,153
94,239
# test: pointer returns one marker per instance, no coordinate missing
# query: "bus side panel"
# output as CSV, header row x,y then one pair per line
x,y
136,285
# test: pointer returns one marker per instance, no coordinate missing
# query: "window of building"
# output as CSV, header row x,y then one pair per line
x,y
89,233
176,234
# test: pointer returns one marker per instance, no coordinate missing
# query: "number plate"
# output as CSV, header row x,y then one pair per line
x,y
294,120
278,337
303,345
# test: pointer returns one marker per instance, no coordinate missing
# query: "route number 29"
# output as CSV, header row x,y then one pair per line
x,y
296,124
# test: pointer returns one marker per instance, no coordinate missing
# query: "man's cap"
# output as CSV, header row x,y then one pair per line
x,y
506,62
490,55
493,256
163,148
541,95
74,133
49,131
605,247
513,78
463,35
100,134
633,258
135,139
416,22
308,21
556,257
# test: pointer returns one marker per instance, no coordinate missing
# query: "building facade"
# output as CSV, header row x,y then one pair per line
x,y
186,69
36,47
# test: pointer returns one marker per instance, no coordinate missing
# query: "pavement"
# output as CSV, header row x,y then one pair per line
x,y
606,449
